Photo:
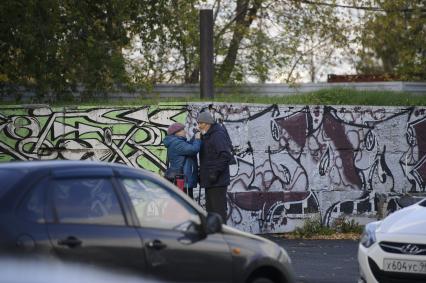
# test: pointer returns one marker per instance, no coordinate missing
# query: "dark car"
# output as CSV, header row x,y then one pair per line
x,y
48,270
126,218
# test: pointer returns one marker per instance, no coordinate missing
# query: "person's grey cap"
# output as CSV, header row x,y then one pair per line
x,y
205,117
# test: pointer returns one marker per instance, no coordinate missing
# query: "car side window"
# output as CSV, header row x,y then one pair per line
x,y
9,178
86,201
32,208
157,207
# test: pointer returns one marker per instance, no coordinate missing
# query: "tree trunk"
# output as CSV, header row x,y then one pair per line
x,y
194,78
244,18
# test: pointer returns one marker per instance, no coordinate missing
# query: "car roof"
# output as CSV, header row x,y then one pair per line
x,y
58,165
37,165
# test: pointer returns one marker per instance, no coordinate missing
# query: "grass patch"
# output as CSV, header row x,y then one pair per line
x,y
342,228
334,96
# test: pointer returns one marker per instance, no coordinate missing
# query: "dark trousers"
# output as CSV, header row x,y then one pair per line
x,y
216,201
189,192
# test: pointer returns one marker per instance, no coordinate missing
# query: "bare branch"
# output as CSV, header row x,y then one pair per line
x,y
365,8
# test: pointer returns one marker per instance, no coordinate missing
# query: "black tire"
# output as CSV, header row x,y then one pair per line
x,y
261,280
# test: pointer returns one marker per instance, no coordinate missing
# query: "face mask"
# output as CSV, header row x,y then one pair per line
x,y
203,132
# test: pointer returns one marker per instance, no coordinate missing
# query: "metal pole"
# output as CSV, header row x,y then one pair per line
x,y
206,53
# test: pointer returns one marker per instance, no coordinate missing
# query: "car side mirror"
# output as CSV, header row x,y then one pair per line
x,y
213,223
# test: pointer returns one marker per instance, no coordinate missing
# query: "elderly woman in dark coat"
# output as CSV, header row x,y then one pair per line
x,y
182,156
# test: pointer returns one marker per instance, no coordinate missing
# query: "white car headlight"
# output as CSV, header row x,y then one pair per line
x,y
369,235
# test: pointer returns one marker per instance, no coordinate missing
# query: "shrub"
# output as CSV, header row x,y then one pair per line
x,y
314,227
311,227
344,225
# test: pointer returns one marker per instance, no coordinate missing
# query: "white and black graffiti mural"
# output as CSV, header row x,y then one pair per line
x,y
299,161
293,162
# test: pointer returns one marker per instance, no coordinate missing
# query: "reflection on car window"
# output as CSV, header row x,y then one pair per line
x,y
32,208
87,201
156,207
9,178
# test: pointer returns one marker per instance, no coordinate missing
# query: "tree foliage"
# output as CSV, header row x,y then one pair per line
x,y
394,41
166,49
57,46
255,40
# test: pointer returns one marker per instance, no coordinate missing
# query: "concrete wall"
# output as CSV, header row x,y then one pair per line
x,y
294,162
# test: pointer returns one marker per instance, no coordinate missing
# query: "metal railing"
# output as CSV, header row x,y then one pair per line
x,y
193,90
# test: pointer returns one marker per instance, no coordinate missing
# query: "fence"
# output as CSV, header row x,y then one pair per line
x,y
192,90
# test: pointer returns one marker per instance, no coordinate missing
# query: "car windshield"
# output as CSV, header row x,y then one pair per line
x,y
8,178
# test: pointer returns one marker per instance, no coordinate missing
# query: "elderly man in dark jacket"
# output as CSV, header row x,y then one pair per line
x,y
215,156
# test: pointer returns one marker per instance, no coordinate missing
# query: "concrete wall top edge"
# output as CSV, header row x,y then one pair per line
x,y
292,107
351,108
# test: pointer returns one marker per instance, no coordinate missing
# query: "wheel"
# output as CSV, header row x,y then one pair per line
x,y
262,280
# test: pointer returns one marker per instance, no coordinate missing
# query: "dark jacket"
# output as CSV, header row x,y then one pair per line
x,y
182,157
215,156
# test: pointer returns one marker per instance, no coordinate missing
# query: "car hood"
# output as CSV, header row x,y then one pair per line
x,y
247,241
234,232
409,220
252,245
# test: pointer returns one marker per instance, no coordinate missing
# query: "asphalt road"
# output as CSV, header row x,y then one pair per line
x,y
322,261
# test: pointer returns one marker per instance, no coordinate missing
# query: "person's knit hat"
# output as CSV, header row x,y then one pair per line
x,y
174,128
205,117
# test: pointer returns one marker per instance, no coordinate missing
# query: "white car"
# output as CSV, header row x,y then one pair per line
x,y
394,249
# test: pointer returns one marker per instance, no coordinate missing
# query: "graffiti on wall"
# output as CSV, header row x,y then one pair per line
x,y
293,162
298,161
132,136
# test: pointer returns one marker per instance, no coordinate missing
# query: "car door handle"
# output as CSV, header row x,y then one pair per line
x,y
71,242
156,244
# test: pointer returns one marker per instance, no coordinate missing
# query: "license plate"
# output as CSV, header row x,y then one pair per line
x,y
408,266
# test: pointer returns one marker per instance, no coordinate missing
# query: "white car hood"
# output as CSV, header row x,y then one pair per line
x,y
409,220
